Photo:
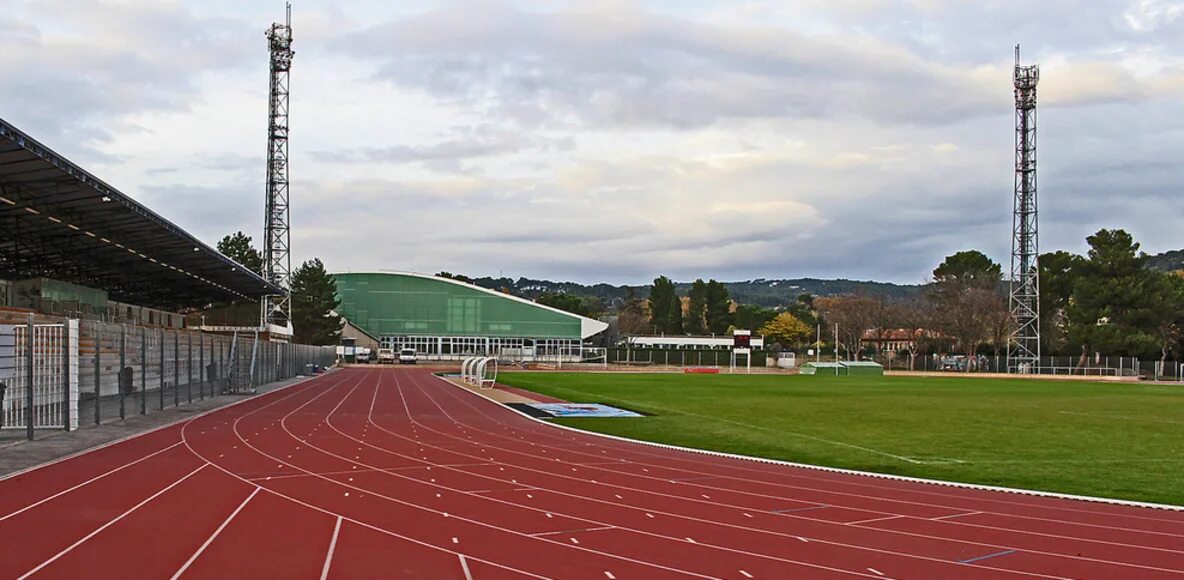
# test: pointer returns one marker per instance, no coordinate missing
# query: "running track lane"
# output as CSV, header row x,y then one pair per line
x,y
391,472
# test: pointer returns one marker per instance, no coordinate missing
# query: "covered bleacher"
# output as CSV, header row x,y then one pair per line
x,y
58,221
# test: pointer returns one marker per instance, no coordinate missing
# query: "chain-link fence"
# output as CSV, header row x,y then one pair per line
x,y
93,371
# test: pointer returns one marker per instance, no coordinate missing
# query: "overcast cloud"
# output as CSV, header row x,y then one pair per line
x,y
615,141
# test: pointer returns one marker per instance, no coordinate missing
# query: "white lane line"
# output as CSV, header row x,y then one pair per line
x,y
88,482
745,574
952,516
214,535
110,523
332,547
464,565
595,529
875,486
872,520
876,572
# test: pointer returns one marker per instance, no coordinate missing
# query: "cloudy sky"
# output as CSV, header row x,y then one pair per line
x,y
618,140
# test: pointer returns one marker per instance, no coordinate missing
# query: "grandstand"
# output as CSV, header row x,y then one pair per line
x,y
103,282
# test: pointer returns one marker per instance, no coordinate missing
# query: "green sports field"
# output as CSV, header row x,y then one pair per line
x,y
1117,440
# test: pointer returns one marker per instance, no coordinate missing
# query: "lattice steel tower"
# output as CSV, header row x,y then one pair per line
x,y
276,231
1023,355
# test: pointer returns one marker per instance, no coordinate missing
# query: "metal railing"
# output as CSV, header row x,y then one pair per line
x,y
98,371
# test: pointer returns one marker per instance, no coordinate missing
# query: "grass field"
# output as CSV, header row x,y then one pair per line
x,y
1115,440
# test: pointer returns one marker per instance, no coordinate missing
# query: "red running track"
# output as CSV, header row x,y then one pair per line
x,y
385,473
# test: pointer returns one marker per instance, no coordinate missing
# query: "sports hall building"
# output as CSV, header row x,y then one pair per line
x,y
447,319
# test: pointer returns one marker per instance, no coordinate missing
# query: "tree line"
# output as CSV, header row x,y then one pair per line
x,y
1111,301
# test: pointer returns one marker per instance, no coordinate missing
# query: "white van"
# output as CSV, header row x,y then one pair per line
x,y
407,356
386,356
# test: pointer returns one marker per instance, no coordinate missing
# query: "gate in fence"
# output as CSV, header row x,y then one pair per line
x,y
39,374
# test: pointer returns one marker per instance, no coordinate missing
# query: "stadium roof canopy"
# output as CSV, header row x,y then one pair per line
x,y
58,221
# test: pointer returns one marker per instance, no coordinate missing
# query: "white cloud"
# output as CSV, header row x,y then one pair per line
x,y
854,138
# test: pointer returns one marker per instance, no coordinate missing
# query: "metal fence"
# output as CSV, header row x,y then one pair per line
x,y
41,391
98,371
1098,366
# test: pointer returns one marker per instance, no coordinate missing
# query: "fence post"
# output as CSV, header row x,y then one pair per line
x,y
201,351
143,370
177,366
66,374
122,365
98,375
30,363
160,347
189,366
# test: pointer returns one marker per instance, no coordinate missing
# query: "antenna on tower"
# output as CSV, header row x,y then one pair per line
x,y
1023,353
276,309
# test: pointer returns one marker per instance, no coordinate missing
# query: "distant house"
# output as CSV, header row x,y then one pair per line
x,y
898,339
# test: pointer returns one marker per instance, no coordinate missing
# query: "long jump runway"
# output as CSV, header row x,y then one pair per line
x,y
397,473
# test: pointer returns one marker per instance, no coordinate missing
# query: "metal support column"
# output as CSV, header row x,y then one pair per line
x,y
98,373
66,375
189,365
202,376
30,365
160,347
143,371
122,365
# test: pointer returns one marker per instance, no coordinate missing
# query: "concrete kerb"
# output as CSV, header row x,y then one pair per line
x,y
150,429
870,474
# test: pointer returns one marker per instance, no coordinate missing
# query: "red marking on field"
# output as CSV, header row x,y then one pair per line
x,y
396,473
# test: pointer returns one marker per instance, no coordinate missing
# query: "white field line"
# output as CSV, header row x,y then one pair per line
x,y
332,547
681,516
1015,531
110,523
193,558
871,497
89,481
464,566
157,428
938,482
327,512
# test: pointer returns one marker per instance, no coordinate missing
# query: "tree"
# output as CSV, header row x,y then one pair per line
x,y
787,330
696,318
969,268
314,302
967,293
665,306
855,315
1059,271
751,317
568,303
632,318
457,277
238,247
1118,305
719,308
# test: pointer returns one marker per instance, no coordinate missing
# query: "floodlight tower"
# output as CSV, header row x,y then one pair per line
x,y
276,311
1023,354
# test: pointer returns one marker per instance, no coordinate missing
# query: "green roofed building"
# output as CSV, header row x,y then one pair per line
x,y
449,319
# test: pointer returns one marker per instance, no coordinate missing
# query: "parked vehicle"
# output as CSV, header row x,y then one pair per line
x,y
386,356
407,356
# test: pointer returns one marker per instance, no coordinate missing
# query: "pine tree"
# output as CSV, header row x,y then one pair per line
x,y
719,306
238,247
314,301
662,295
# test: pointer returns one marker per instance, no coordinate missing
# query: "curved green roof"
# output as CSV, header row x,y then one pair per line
x,y
402,303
